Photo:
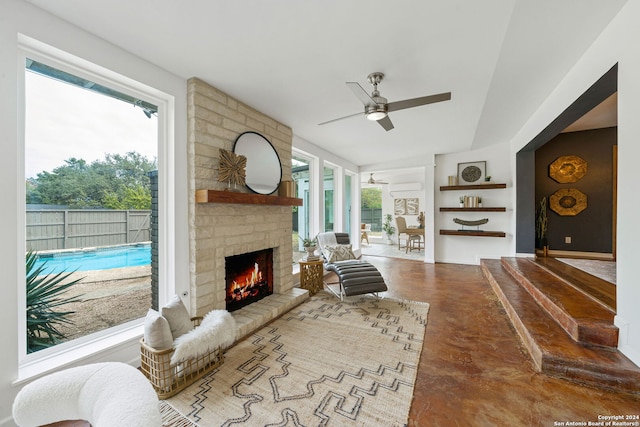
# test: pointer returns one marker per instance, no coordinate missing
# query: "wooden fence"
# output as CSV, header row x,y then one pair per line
x,y
69,229
373,217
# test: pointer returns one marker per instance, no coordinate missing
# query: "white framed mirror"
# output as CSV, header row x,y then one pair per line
x,y
264,171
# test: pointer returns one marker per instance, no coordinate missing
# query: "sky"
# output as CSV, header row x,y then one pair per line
x,y
64,121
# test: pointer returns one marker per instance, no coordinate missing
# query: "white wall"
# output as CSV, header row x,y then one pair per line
x,y
20,17
616,44
470,249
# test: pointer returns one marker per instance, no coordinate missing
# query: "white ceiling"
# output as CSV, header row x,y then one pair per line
x,y
603,115
290,59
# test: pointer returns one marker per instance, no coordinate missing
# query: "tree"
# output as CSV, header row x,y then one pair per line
x,y
33,195
137,197
117,182
371,198
65,185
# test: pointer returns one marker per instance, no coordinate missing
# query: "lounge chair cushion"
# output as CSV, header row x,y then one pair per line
x,y
338,253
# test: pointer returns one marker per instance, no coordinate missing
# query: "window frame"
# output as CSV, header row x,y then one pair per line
x,y
33,364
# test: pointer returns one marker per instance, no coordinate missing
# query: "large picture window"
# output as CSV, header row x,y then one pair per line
x,y
91,176
329,198
300,172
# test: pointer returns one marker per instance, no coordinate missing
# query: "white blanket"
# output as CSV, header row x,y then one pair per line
x,y
217,330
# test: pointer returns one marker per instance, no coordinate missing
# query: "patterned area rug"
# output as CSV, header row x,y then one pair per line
x,y
325,363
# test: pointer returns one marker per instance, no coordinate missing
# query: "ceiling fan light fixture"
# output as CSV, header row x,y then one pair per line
x,y
376,115
375,112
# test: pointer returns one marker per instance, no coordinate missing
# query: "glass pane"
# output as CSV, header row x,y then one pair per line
x,y
329,204
347,203
371,209
90,162
300,214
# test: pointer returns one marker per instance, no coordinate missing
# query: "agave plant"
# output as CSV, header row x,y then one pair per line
x,y
44,296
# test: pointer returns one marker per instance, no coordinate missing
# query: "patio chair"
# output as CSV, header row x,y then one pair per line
x,y
365,229
355,277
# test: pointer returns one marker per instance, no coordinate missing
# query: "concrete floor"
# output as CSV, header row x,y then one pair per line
x,y
390,250
473,369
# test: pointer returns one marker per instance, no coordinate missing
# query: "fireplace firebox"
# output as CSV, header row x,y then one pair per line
x,y
248,277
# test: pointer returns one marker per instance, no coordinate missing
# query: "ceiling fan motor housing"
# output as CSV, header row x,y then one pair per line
x,y
376,108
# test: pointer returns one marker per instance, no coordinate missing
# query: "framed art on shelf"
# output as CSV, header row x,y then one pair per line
x,y
472,173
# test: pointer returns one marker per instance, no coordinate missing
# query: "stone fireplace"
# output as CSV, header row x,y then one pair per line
x,y
218,231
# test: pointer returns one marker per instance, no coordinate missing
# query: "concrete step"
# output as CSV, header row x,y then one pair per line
x,y
582,317
553,351
600,290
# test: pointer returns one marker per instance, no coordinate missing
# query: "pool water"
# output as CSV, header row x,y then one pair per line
x,y
98,259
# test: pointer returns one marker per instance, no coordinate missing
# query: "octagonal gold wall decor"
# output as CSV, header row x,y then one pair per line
x,y
568,202
567,169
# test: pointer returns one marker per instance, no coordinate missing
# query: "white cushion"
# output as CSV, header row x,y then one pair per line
x,y
324,239
157,333
338,253
178,317
217,330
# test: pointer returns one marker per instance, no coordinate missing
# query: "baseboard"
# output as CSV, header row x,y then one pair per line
x,y
577,254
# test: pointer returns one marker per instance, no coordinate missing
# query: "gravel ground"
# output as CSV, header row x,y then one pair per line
x,y
108,298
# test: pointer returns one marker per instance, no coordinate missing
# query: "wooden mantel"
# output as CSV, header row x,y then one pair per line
x,y
215,196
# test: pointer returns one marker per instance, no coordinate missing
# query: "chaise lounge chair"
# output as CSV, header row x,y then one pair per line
x,y
355,277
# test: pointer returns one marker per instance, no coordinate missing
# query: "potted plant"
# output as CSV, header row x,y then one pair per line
x,y
387,227
541,226
309,245
421,220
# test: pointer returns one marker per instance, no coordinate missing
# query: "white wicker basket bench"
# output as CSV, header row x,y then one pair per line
x,y
169,378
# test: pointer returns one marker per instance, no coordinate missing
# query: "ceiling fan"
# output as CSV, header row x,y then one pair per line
x,y
373,181
377,108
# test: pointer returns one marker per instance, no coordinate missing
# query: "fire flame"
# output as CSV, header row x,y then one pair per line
x,y
243,287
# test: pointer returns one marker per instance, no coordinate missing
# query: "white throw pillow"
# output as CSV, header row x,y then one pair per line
x,y
157,333
178,317
338,253
217,330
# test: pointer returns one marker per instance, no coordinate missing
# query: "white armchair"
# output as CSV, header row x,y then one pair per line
x,y
104,394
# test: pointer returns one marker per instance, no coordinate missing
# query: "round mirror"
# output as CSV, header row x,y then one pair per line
x,y
263,173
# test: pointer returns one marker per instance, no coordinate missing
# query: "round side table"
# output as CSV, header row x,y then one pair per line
x,y
311,275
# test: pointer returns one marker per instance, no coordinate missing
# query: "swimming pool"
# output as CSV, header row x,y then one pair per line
x,y
96,259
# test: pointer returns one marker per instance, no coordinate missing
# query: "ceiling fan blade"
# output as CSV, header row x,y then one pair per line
x,y
360,93
416,102
386,123
341,118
